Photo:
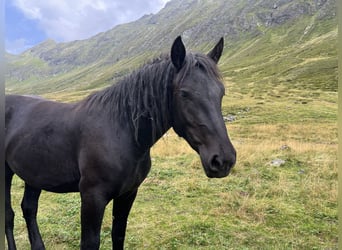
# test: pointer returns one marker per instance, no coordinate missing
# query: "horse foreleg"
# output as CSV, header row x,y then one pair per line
x,y
29,206
93,205
9,214
121,208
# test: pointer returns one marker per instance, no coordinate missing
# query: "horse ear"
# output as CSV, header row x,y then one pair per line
x,y
178,53
216,52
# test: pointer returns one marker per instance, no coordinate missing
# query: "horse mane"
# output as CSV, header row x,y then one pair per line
x,y
146,93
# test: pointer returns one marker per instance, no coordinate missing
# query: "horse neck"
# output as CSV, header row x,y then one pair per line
x,y
148,101
141,102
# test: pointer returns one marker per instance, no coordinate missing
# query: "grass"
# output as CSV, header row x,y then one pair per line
x,y
258,206
286,55
282,90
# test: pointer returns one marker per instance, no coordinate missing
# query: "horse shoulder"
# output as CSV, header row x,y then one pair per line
x,y
110,161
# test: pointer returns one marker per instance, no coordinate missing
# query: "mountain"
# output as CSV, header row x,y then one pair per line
x,y
287,42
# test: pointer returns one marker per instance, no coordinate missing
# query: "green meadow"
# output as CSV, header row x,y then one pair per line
x,y
281,99
258,206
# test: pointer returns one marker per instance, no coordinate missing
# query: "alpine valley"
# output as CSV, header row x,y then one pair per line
x,y
282,42
280,71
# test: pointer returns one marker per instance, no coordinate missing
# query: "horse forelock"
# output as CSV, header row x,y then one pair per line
x,y
208,65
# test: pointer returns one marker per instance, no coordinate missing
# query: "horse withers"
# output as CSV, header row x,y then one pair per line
x,y
100,146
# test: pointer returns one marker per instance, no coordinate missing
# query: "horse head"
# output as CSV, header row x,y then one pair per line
x,y
197,97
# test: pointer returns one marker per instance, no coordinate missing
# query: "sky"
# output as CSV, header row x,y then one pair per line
x,y
30,22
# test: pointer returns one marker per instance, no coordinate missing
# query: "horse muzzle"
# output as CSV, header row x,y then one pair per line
x,y
217,164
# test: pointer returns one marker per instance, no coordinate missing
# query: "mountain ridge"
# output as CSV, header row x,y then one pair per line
x,y
96,62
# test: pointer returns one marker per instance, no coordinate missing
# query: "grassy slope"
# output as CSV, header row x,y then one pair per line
x,y
289,56
282,89
258,206
293,56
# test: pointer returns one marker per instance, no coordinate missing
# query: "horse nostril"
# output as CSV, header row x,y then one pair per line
x,y
216,163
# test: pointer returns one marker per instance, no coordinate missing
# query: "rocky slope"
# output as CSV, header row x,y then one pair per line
x,y
302,31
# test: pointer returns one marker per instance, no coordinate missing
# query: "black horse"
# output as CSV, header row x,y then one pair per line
x,y
100,146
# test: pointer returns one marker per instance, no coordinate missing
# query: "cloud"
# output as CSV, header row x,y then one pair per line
x,y
65,20
17,46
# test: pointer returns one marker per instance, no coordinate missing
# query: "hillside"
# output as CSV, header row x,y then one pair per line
x,y
280,71
293,43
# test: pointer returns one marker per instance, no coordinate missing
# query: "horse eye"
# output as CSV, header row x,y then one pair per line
x,y
184,94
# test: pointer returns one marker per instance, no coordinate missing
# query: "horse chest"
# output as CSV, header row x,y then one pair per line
x,y
113,166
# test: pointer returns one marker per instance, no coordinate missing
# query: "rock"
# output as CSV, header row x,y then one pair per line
x,y
277,162
229,118
284,147
301,171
